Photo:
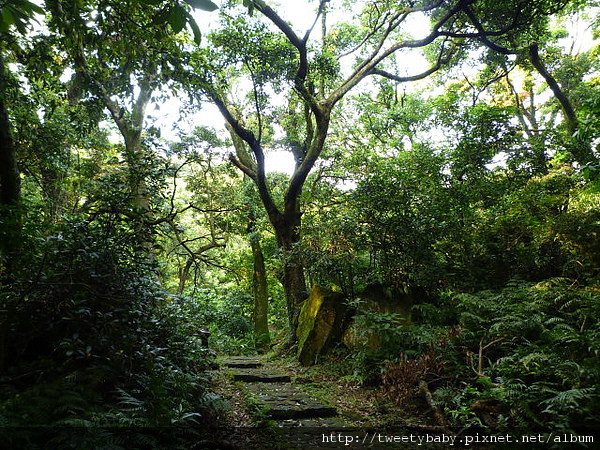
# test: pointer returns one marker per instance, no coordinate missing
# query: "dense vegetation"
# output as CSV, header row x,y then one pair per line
x,y
444,150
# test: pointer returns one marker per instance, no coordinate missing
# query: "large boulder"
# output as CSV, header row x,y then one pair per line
x,y
382,301
323,317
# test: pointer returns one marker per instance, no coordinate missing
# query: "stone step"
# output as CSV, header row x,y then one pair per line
x,y
242,362
260,376
285,402
315,423
296,409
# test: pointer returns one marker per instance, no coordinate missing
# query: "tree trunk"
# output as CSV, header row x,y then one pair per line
x,y
184,273
131,130
294,282
10,188
259,285
261,298
294,285
10,216
140,198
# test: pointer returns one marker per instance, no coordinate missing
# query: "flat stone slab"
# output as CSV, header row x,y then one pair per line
x,y
260,376
284,402
295,409
242,362
331,423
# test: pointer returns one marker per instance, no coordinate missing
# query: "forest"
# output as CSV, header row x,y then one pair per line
x,y
399,200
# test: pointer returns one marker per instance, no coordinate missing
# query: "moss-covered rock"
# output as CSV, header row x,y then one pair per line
x,y
379,300
323,317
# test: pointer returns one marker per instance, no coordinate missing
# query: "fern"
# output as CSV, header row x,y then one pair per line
x,y
572,399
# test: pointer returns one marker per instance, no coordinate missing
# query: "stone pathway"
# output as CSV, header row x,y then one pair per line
x,y
275,393
301,418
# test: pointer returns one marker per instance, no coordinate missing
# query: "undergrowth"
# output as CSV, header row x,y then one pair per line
x,y
94,354
522,359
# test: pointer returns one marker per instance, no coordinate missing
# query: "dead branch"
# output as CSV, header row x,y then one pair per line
x,y
437,414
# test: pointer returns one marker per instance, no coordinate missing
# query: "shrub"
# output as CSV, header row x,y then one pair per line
x,y
92,340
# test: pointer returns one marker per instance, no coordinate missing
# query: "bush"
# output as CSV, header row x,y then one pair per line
x,y
227,316
523,358
92,340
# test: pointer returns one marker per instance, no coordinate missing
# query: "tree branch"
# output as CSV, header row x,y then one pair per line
x,y
237,163
241,159
482,35
311,28
300,45
562,98
415,77
371,62
258,175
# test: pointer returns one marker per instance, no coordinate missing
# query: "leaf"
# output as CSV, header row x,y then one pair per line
x,y
205,5
21,26
31,7
177,18
195,29
7,17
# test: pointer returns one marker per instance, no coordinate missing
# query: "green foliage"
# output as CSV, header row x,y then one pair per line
x,y
516,360
18,13
95,342
399,208
460,190
386,341
418,226
227,316
328,252
537,232
523,358
177,16
476,134
589,129
249,45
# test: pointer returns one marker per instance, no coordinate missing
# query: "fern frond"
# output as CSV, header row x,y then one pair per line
x,y
570,399
125,398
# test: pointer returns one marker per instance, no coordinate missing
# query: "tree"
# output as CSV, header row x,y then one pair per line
x,y
98,41
10,184
126,78
17,14
199,213
319,81
86,316
526,46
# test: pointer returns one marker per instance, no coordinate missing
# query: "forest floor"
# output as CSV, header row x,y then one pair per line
x,y
366,415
